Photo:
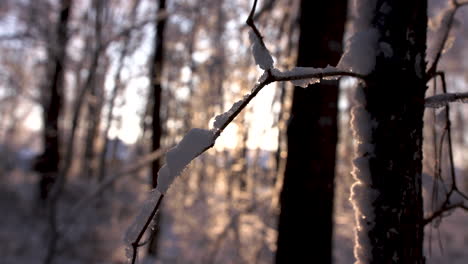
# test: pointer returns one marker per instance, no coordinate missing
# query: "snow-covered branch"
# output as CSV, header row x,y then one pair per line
x,y
441,100
197,140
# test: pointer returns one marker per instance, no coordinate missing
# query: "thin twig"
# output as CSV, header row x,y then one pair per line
x,y
265,8
446,205
441,100
448,126
440,213
432,72
136,244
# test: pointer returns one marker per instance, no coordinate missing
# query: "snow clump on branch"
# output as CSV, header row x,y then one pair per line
x,y
261,54
195,142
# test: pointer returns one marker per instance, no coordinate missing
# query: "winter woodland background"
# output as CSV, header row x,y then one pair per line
x,y
224,208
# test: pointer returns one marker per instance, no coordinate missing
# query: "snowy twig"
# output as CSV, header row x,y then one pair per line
x,y
446,25
440,100
136,243
197,141
318,74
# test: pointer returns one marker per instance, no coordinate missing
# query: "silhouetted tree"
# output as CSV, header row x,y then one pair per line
x,y
307,195
47,164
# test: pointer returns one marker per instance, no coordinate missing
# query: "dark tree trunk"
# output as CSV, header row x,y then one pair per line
x,y
156,89
156,70
47,164
307,195
391,222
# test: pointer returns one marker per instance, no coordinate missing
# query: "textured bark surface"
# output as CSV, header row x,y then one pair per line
x,y
395,102
306,218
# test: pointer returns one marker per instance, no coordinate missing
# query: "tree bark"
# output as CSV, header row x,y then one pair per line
x,y
388,196
47,164
308,188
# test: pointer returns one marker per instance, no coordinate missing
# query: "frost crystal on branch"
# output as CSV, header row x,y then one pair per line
x,y
193,144
261,54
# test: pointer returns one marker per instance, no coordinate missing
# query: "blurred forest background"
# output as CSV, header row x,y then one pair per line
x,y
92,92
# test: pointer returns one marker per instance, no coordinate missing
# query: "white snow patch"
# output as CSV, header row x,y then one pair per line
x,y
360,52
221,119
299,74
261,54
362,193
192,145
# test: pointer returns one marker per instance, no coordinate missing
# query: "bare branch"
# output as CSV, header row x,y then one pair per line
x,y
442,211
448,204
448,126
450,18
251,24
265,8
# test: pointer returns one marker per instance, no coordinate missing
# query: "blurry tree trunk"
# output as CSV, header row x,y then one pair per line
x,y
95,92
217,77
47,164
156,71
388,193
115,91
308,188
